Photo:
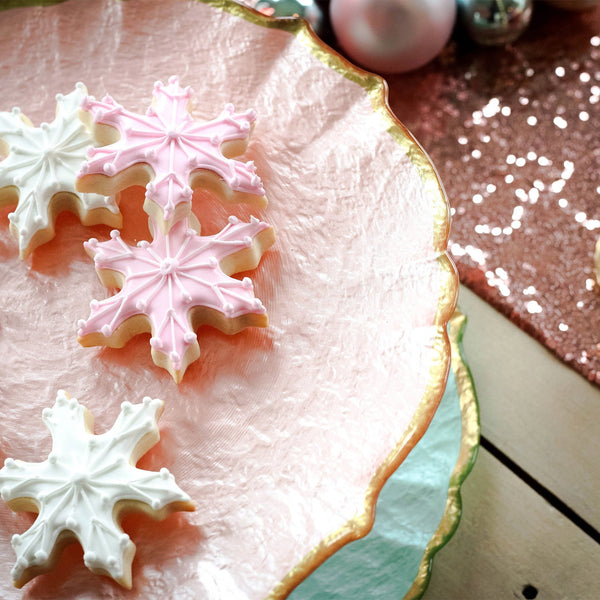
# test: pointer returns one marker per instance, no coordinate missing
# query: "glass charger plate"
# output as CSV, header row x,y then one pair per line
x,y
419,507
283,437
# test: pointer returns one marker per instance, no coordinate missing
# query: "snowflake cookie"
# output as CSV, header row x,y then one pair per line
x,y
38,173
171,153
84,485
174,284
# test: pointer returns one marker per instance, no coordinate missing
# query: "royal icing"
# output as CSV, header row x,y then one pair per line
x,y
42,162
166,279
174,145
84,477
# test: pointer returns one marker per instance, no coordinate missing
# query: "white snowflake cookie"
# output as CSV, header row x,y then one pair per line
x,y
84,486
38,173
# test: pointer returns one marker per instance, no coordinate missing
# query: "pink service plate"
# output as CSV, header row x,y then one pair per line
x,y
283,436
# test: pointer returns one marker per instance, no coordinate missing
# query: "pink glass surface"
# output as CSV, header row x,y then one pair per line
x,y
276,433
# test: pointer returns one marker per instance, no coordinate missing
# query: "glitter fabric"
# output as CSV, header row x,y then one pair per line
x,y
514,134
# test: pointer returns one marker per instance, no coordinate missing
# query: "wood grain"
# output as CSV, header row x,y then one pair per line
x,y
540,413
510,538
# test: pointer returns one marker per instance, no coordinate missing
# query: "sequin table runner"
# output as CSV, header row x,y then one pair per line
x,y
513,133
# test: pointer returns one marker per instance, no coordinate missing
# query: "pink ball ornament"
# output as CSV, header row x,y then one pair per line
x,y
392,36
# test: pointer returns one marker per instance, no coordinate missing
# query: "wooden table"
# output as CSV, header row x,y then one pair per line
x,y
531,506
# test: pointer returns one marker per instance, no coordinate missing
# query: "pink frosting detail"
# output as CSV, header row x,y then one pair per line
x,y
164,279
173,144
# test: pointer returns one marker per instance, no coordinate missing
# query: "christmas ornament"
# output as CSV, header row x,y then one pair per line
x,y
307,9
495,22
392,36
574,4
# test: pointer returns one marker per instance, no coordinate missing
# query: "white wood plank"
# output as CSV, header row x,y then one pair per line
x,y
510,537
540,413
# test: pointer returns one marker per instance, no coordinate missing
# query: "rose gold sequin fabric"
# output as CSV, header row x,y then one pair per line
x,y
514,134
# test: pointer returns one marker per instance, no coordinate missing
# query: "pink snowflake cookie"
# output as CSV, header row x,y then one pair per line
x,y
171,153
174,284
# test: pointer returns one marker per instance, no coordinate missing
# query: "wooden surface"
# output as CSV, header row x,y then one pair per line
x,y
511,538
531,506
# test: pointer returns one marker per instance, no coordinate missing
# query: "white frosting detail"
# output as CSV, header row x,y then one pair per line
x,y
45,160
85,475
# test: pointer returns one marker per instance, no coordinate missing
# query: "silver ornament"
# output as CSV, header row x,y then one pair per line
x,y
495,22
307,9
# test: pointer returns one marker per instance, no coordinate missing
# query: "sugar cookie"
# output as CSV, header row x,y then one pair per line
x,y
84,486
173,285
170,153
38,173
